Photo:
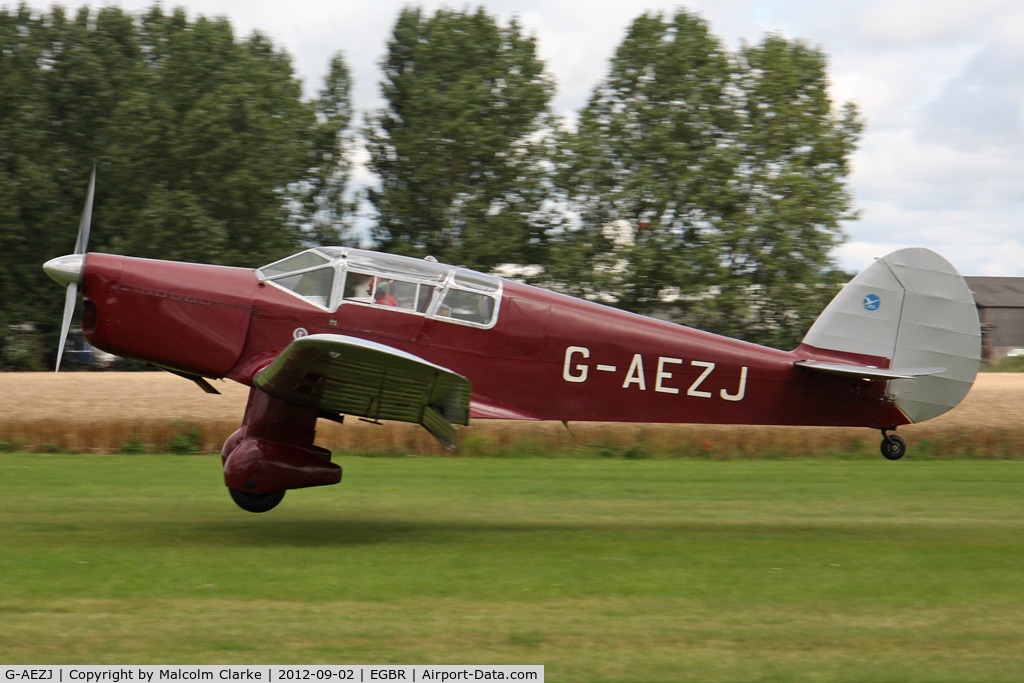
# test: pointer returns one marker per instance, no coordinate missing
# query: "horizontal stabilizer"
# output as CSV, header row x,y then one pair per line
x,y
357,377
867,371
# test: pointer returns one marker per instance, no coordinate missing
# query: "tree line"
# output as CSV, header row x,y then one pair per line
x,y
699,184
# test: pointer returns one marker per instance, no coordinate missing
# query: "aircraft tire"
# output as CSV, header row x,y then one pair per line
x,y
893,447
256,502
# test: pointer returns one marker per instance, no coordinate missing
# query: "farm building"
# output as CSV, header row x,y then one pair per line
x,y
1000,303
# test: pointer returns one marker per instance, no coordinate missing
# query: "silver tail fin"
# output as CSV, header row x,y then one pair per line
x,y
913,308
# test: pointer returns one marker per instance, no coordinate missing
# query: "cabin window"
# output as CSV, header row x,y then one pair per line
x,y
388,291
359,287
470,307
424,298
471,298
478,281
395,293
456,295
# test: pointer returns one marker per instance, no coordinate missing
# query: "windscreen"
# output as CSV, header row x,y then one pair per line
x,y
307,259
315,285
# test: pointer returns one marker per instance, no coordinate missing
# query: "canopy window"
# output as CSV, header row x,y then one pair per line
x,y
332,276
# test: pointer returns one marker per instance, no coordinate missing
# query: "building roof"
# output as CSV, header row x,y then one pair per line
x,y
997,292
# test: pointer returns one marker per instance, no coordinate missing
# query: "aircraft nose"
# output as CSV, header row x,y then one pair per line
x,y
65,269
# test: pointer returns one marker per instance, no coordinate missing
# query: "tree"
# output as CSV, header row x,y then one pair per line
x,y
641,168
788,195
59,79
206,150
708,186
459,148
326,208
209,142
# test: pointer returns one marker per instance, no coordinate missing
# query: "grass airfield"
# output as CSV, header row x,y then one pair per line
x,y
602,570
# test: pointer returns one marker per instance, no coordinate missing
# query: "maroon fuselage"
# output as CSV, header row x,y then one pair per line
x,y
549,356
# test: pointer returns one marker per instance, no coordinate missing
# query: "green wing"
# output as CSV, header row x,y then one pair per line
x,y
353,376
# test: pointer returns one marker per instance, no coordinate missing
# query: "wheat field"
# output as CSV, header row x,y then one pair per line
x,y
114,411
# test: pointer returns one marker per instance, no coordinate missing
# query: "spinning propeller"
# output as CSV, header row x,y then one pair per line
x,y
67,270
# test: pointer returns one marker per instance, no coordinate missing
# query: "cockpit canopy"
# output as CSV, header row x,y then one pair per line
x,y
329,277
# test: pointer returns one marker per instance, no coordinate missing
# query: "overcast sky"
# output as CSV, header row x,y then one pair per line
x,y
940,84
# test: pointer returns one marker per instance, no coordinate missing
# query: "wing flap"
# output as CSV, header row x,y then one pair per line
x,y
353,376
866,371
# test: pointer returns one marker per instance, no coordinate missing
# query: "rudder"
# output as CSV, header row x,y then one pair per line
x,y
913,308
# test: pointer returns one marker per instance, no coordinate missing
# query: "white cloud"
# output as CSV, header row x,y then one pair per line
x,y
900,23
854,257
983,107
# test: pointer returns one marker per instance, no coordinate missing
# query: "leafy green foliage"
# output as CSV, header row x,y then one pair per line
x,y
185,444
325,204
134,446
458,147
207,142
708,185
204,147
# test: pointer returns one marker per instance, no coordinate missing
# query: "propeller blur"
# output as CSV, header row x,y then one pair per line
x,y
67,270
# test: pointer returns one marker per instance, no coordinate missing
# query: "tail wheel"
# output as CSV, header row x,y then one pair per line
x,y
256,502
893,447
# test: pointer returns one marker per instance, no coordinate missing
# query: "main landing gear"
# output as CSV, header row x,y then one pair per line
x,y
272,452
893,447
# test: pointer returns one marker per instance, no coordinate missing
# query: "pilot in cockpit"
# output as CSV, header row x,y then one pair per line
x,y
382,296
369,289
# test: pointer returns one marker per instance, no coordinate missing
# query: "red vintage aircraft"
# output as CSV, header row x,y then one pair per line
x,y
334,331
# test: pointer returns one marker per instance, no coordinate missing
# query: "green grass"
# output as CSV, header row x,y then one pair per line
x,y
602,570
